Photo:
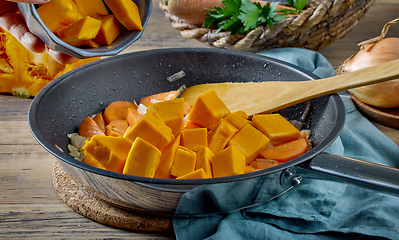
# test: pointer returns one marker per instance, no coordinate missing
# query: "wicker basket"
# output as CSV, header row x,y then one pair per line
x,y
322,22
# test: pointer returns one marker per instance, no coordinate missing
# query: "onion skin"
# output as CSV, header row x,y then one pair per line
x,y
382,95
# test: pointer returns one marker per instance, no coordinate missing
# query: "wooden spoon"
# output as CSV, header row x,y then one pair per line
x,y
266,97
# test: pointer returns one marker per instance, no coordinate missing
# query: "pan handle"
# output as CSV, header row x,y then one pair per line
x,y
349,170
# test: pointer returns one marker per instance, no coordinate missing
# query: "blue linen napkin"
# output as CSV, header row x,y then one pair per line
x,y
315,209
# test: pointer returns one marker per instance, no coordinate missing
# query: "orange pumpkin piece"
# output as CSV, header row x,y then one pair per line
x,y
171,112
194,138
152,129
286,151
92,8
117,127
260,163
184,162
197,174
220,135
238,119
191,125
250,141
159,97
228,162
248,169
127,12
100,121
89,128
109,30
276,128
57,14
142,160
80,32
204,155
132,116
166,161
117,110
208,109
93,162
111,152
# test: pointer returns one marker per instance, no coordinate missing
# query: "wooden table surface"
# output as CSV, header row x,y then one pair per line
x,y
30,207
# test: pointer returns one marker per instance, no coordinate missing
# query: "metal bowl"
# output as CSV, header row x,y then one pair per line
x,y
125,39
60,107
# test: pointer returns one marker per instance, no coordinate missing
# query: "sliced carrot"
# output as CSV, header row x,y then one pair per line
x,y
117,127
100,121
260,163
286,151
146,101
117,110
248,169
132,115
88,128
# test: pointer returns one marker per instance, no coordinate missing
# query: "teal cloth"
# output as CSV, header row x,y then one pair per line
x,y
315,209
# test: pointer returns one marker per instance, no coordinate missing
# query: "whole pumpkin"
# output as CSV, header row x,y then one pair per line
x,y
24,73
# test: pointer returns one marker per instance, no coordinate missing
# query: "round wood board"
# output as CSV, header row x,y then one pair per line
x,y
388,117
87,205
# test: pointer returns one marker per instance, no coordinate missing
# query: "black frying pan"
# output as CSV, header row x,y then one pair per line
x,y
59,108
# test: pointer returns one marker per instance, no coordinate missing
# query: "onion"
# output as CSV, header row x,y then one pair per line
x,y
373,52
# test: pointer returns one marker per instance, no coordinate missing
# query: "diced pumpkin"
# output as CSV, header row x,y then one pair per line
x,y
93,162
238,119
117,127
159,97
80,32
220,135
204,155
172,113
117,110
57,14
184,162
111,152
24,73
89,128
286,151
167,157
132,115
127,13
275,127
228,162
194,138
142,160
92,43
151,128
92,8
109,30
250,141
191,125
197,174
261,163
208,109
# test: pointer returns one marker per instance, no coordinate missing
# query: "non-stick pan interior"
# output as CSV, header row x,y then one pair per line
x,y
64,103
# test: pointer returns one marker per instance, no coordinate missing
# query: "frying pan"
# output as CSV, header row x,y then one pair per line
x,y
60,107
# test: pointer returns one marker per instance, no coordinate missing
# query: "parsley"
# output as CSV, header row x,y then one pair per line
x,y
242,16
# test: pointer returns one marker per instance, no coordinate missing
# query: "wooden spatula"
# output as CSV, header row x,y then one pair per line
x,y
264,97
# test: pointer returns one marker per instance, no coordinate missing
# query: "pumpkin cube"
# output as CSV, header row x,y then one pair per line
x,y
57,14
220,135
197,174
172,113
109,30
238,119
208,109
204,155
250,141
80,32
228,162
132,115
111,152
194,138
276,128
184,162
93,162
127,12
167,157
143,159
190,125
152,129
92,8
